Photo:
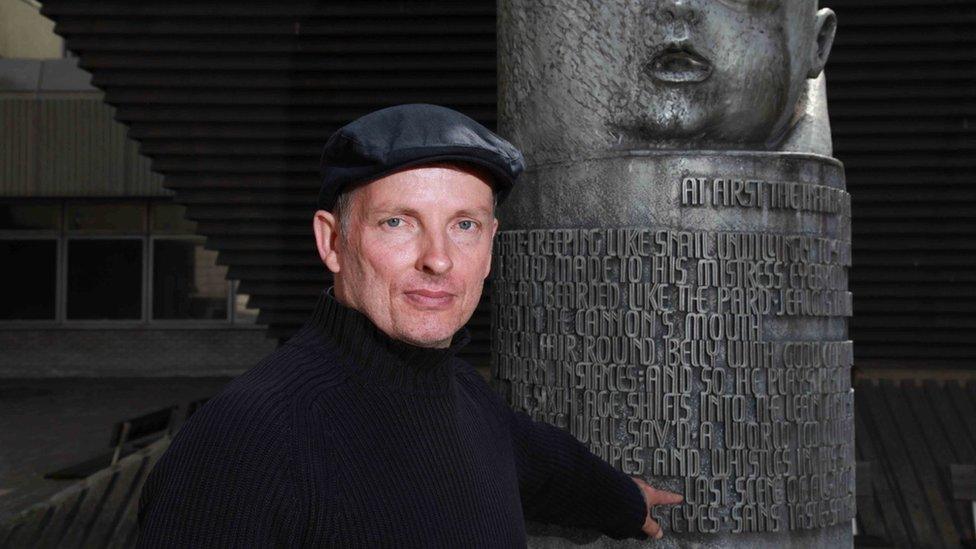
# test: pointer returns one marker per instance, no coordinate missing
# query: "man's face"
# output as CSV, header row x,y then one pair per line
x,y
417,251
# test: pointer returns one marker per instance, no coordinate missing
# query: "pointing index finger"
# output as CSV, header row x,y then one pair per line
x,y
662,497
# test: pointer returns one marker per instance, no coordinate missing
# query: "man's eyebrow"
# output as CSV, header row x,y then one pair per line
x,y
384,209
473,212
406,210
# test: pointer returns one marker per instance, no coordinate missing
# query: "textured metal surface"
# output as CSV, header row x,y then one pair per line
x,y
79,146
17,154
56,145
662,74
683,312
552,322
59,138
552,537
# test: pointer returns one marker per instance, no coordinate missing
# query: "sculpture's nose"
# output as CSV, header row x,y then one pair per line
x,y
677,16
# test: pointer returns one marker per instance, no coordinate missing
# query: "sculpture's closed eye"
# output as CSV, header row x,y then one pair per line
x,y
758,5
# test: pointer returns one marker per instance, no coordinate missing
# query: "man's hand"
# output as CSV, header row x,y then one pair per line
x,y
652,497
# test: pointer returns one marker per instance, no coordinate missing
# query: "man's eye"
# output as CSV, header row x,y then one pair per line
x,y
393,222
466,224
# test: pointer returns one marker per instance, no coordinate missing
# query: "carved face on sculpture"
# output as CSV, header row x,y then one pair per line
x,y
672,74
720,73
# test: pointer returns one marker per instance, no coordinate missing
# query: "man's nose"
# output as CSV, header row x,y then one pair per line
x,y
435,256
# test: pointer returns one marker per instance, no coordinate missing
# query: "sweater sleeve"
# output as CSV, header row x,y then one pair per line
x,y
222,483
562,482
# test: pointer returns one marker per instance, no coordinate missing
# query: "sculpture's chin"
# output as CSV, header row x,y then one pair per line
x,y
693,123
687,133
666,122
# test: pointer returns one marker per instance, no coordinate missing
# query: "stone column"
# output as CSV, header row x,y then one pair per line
x,y
670,280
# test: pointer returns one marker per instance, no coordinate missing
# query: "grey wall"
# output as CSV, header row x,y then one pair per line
x,y
136,352
59,138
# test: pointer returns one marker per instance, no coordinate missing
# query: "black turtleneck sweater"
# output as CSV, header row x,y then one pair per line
x,y
344,437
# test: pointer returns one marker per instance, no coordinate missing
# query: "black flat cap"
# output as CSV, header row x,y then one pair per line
x,y
394,138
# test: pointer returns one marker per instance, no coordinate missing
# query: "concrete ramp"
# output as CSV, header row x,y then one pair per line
x,y
98,512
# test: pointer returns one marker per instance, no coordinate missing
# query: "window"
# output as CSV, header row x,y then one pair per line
x,y
28,281
104,274
111,261
29,238
104,279
187,282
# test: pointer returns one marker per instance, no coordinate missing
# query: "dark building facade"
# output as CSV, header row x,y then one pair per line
x,y
103,274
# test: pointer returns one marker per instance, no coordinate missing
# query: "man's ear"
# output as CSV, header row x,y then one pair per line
x,y
826,28
494,229
326,229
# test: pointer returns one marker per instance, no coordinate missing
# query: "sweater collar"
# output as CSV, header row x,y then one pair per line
x,y
377,359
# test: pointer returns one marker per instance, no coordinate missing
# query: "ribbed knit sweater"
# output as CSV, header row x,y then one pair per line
x,y
345,437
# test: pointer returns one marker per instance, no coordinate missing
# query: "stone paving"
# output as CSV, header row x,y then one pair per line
x,y
48,424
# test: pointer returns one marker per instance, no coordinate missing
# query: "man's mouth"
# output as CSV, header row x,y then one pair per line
x,y
679,64
429,299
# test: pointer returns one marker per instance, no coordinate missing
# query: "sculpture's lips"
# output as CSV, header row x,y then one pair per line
x,y
678,64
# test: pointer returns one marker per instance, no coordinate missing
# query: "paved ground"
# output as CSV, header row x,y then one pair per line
x,y
48,424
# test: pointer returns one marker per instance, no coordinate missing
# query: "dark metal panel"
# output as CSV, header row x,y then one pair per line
x,y
902,91
18,155
69,145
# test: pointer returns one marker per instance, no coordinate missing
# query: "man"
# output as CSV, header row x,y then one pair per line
x,y
364,429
